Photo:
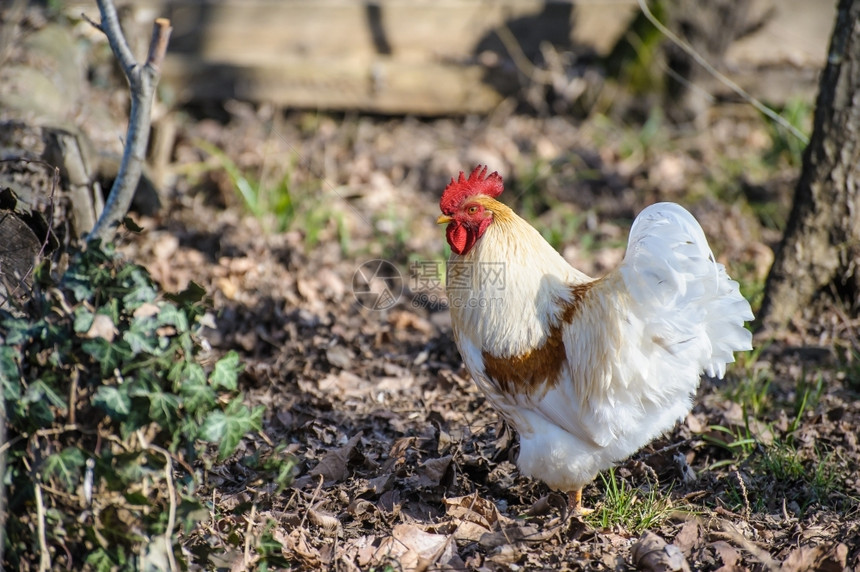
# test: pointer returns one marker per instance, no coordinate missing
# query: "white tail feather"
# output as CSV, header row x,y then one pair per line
x,y
684,296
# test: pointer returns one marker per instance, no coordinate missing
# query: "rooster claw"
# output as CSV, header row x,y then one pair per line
x,y
574,504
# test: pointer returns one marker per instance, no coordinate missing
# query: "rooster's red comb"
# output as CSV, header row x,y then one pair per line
x,y
478,183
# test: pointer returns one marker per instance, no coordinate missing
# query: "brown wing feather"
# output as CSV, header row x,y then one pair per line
x,y
539,369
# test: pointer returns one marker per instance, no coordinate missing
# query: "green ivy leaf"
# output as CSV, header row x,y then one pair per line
x,y
164,408
170,315
229,426
138,417
122,470
110,355
47,333
192,294
189,372
142,337
111,309
101,560
41,391
226,373
191,511
65,466
79,283
83,320
136,498
16,330
114,401
141,289
197,395
40,414
10,374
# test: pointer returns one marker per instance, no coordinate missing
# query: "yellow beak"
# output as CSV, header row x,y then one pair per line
x,y
443,219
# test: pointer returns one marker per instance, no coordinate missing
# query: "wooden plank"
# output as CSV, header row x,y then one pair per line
x,y
797,35
243,29
423,56
383,85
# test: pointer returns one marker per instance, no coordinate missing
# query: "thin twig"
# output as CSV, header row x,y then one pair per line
x,y
311,502
44,556
690,51
93,23
55,183
73,393
747,509
249,532
43,433
69,497
171,491
668,448
171,514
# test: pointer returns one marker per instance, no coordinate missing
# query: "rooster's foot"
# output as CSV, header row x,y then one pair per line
x,y
574,504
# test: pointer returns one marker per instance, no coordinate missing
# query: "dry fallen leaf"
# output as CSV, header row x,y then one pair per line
x,y
473,516
402,320
415,549
298,544
102,327
361,551
339,356
510,535
688,538
228,286
432,471
651,553
329,524
334,466
474,508
824,558
146,310
727,553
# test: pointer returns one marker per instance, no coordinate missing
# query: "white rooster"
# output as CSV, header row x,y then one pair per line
x,y
586,370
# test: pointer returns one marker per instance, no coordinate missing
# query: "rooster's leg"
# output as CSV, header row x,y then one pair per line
x,y
574,504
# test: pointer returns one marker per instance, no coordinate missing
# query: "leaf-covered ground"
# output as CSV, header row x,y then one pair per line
x,y
378,453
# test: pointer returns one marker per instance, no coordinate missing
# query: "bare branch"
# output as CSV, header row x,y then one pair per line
x,y
44,555
116,39
93,23
158,43
142,80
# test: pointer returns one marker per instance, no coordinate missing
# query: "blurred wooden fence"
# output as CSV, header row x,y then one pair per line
x,y
431,56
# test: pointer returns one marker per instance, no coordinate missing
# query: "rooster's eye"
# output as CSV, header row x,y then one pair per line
x,y
473,209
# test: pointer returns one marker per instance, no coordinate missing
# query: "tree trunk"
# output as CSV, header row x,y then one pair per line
x,y
820,251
